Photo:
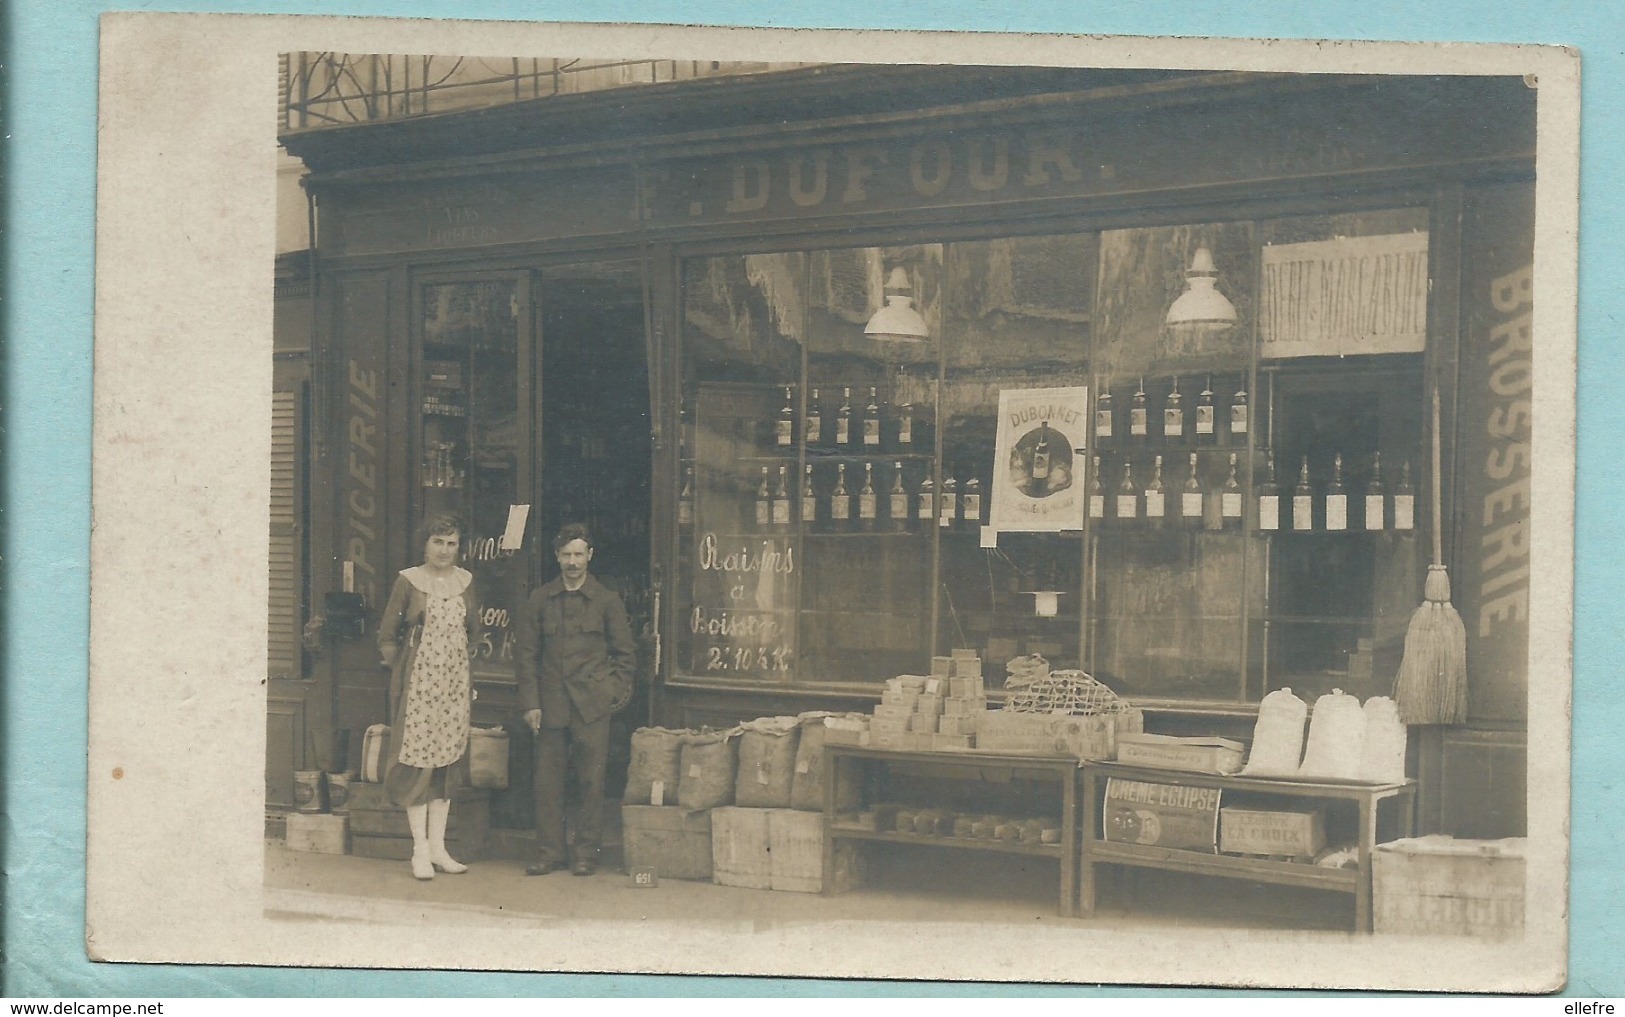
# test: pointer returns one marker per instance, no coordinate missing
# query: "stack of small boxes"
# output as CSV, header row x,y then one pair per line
x,y
932,712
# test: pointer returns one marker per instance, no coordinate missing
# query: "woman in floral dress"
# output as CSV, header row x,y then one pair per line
x,y
423,638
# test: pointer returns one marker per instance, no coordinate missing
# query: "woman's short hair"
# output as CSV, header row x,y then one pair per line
x,y
569,532
439,525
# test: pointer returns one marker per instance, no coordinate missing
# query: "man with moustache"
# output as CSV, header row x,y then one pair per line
x,y
573,661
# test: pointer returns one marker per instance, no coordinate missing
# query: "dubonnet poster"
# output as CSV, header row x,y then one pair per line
x,y
1038,473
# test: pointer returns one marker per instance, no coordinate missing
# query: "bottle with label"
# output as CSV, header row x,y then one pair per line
x,y
809,499
1230,498
1041,461
1238,409
926,504
1190,499
685,499
871,423
1138,429
972,503
781,500
1128,498
1376,503
1156,500
1204,413
1303,500
898,502
843,421
866,498
840,501
1173,415
784,429
764,503
1269,498
1097,492
905,428
1404,500
812,431
1103,419
948,504
1337,499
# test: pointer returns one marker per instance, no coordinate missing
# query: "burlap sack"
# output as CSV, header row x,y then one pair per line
x,y
767,760
709,761
656,758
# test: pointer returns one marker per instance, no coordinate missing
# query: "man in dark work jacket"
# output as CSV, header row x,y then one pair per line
x,y
574,659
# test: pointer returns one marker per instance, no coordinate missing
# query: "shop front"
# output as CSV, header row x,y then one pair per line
x,y
851,368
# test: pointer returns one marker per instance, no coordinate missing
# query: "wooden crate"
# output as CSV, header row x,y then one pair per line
x,y
739,847
796,855
323,834
379,829
674,842
1438,885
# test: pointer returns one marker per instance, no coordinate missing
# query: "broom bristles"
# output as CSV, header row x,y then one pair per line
x,y
1431,686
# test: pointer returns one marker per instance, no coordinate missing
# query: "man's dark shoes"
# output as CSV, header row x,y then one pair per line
x,y
542,868
585,867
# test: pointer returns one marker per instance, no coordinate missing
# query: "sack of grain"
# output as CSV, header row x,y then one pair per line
x,y
1383,758
807,785
1336,738
709,760
767,762
656,759
1278,736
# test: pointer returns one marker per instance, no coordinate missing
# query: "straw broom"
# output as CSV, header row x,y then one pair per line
x,y
1431,687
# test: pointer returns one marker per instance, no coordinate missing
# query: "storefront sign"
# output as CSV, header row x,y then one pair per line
x,y
360,491
1037,475
1345,297
743,618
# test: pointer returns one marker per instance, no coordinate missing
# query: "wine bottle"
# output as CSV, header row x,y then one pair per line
x,y
1156,502
784,429
809,498
1269,498
685,499
1137,427
1190,500
926,503
781,500
1303,500
1238,409
1375,502
1173,415
1103,419
1041,462
1230,498
843,421
899,498
948,504
1204,413
871,422
812,432
840,502
1404,500
866,498
972,503
764,503
1337,499
1128,499
905,428
1097,492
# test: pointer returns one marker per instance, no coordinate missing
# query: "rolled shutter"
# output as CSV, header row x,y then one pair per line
x,y
285,609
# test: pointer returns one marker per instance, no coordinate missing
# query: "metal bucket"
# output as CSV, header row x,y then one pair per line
x,y
307,790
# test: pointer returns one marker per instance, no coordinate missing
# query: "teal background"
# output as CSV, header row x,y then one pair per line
x,y
50,67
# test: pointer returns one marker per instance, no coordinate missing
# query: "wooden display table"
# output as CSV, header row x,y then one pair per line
x,y
967,765
1366,797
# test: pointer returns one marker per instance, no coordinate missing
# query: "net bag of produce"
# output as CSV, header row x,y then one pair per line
x,y
1076,693
1278,736
1384,753
708,761
767,763
1336,738
656,759
807,786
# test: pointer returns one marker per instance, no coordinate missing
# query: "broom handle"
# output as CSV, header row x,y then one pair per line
x,y
1438,538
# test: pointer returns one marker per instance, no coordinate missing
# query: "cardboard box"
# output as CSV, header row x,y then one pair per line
x,y
1053,734
323,834
1163,815
739,846
1301,834
1437,885
796,855
966,687
923,723
674,842
950,742
1197,755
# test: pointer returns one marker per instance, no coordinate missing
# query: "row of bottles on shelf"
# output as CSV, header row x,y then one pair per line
x,y
440,465
1165,501
836,500
436,405
873,427
1199,418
